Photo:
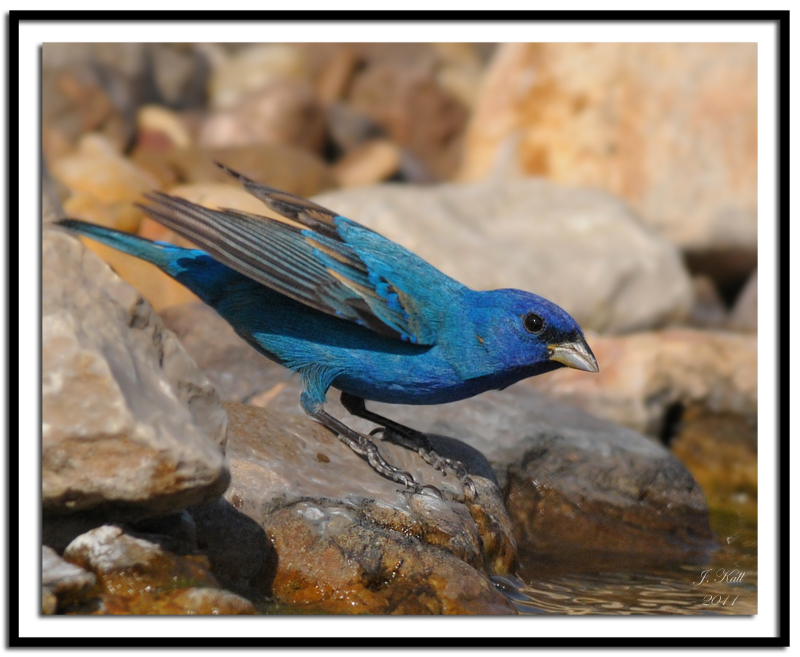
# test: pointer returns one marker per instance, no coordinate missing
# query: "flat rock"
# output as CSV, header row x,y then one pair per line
x,y
350,541
643,377
130,424
579,248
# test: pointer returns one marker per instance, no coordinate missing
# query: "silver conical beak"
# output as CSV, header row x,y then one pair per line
x,y
574,354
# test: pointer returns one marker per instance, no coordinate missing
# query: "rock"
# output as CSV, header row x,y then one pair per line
x,y
350,541
744,316
154,122
579,248
241,555
283,112
336,74
277,165
238,75
130,425
644,376
708,309
137,575
371,162
416,112
671,128
62,583
104,184
349,128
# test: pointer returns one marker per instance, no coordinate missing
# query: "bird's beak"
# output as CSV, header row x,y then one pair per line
x,y
574,354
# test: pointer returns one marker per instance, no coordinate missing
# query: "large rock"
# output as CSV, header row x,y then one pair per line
x,y
350,541
580,248
130,425
669,127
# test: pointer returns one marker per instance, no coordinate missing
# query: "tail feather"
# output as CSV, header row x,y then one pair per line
x,y
164,256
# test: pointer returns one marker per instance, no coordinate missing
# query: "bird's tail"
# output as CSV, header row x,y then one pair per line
x,y
161,254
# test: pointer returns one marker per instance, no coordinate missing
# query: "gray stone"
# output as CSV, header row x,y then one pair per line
x,y
580,248
129,421
744,316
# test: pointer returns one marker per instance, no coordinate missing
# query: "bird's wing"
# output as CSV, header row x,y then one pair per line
x,y
305,256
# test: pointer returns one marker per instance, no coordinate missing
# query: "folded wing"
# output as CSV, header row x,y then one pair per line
x,y
304,256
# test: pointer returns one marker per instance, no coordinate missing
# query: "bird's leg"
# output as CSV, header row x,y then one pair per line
x,y
409,438
365,448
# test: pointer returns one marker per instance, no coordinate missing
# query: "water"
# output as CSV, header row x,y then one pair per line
x,y
580,583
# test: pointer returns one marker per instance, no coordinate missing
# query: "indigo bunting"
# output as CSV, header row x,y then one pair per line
x,y
349,309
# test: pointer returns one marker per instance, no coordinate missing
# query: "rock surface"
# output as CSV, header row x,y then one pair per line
x,y
579,248
62,582
129,421
664,126
350,541
136,574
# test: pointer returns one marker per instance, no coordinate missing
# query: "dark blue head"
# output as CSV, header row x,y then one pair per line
x,y
524,332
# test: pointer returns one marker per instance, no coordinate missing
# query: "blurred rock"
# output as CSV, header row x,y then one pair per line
x,y
642,377
460,70
744,316
371,162
580,248
728,268
137,575
156,124
336,74
283,112
255,66
62,583
671,128
104,184
349,128
415,111
708,309
284,167
351,541
129,423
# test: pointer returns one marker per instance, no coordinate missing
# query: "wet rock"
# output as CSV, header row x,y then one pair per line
x,y
348,540
283,112
646,378
416,112
130,424
137,575
670,128
744,316
62,582
619,275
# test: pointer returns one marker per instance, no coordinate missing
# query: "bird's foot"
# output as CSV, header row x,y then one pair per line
x,y
418,442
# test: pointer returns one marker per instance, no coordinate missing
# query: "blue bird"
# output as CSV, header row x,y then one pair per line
x,y
347,308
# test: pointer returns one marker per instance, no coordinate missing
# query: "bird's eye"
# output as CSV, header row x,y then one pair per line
x,y
533,323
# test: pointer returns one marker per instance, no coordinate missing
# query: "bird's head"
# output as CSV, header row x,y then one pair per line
x,y
522,330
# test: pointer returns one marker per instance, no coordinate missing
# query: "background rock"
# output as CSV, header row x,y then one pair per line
x,y
577,247
129,421
664,126
744,316
645,378
62,582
